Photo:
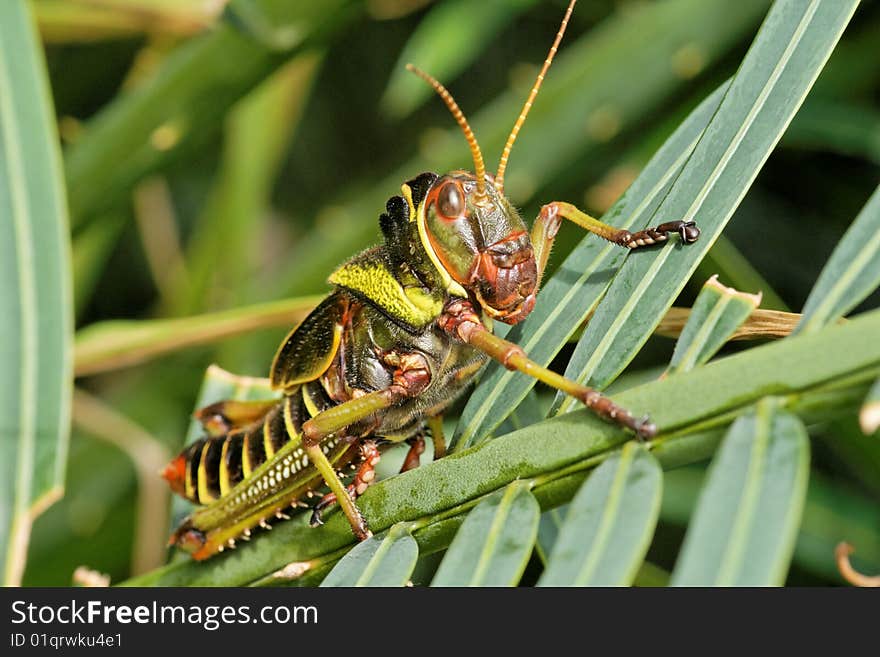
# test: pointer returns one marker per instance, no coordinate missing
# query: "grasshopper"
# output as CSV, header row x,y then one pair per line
x,y
404,332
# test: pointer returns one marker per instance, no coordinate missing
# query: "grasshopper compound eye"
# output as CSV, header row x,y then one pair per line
x,y
450,201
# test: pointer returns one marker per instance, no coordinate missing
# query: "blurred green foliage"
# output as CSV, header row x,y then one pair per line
x,y
239,158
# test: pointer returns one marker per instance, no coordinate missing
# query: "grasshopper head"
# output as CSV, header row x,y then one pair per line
x,y
482,243
470,228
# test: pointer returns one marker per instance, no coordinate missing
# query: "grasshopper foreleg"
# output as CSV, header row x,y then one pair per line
x,y
548,221
461,321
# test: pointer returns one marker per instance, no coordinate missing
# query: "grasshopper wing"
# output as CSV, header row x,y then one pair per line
x,y
309,349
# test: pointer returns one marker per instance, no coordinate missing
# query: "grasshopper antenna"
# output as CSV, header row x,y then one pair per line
x,y
479,165
505,154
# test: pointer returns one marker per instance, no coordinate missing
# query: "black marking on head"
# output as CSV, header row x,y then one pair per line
x,y
420,185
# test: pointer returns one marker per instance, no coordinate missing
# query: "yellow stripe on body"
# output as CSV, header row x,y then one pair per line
x,y
267,440
205,495
246,466
224,470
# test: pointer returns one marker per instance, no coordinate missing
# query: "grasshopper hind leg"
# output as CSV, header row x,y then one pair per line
x,y
364,476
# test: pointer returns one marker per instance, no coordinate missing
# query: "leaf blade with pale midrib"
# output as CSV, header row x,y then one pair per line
x,y
36,312
386,560
493,544
744,528
609,523
758,106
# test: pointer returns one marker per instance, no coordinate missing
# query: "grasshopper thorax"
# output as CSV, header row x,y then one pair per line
x,y
482,243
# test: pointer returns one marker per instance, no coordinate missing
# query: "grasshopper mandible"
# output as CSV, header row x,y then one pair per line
x,y
405,330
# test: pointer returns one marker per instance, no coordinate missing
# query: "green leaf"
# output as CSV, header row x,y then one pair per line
x,y
92,247
836,126
62,21
716,315
184,102
744,528
450,37
819,373
609,523
493,544
528,412
730,264
120,343
869,415
548,531
257,132
851,273
651,575
386,560
573,291
36,308
792,46
832,512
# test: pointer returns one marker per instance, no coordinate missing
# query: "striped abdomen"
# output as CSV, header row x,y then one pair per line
x,y
251,474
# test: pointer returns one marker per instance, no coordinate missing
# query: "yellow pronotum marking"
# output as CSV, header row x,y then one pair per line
x,y
372,279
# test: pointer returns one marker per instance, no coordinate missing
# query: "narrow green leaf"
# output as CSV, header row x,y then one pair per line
x,y
36,307
651,575
120,343
716,315
528,412
257,132
609,523
62,21
184,102
386,560
851,273
548,531
573,291
832,512
836,126
821,372
450,37
783,62
869,416
493,544
746,522
726,260
91,249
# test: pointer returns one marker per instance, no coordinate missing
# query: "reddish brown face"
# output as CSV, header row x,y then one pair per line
x,y
506,278
483,244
